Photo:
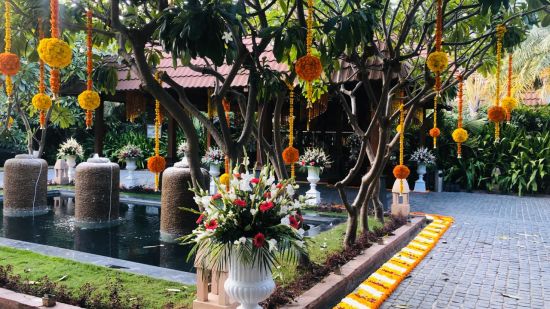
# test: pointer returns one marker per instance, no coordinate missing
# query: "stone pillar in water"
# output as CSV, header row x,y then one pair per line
x,y
25,186
175,222
97,184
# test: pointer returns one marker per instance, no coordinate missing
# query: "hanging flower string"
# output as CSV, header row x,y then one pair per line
x,y
437,62
41,101
509,103
460,135
224,179
401,171
9,62
497,113
291,154
89,99
309,68
156,164
53,51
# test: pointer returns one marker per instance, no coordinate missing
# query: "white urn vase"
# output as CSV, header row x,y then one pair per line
x,y
248,284
71,162
313,196
130,167
214,172
420,184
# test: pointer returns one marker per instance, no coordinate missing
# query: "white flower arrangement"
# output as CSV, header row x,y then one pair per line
x,y
315,156
182,149
423,156
213,156
130,151
70,148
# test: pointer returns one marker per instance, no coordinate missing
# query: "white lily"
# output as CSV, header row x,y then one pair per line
x,y
272,244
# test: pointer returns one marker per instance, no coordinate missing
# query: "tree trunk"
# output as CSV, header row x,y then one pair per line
x,y
351,229
377,204
364,222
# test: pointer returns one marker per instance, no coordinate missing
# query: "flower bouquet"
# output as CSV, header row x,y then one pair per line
x,y
130,151
70,148
315,157
423,156
213,156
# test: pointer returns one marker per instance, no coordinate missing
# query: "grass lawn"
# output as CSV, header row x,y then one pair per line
x,y
155,293
32,266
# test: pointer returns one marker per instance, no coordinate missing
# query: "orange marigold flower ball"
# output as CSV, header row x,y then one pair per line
x,y
496,114
401,171
9,64
156,164
290,155
224,179
308,68
435,132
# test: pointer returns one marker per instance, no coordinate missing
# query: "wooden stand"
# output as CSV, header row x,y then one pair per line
x,y
210,291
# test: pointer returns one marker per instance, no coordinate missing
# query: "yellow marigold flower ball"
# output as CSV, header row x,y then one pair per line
x,y
41,101
290,155
437,62
55,52
224,179
89,100
460,135
509,103
9,64
496,114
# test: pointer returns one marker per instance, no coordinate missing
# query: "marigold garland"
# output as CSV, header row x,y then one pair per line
x,y
89,100
495,113
9,62
309,67
158,168
460,135
509,103
41,101
290,154
437,62
401,171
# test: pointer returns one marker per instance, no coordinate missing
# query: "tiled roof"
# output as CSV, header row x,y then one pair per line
x,y
533,98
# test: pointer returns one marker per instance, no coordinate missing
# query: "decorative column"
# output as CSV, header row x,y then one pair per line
x,y
400,205
25,186
97,193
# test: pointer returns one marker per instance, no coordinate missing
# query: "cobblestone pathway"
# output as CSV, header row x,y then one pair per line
x,y
496,255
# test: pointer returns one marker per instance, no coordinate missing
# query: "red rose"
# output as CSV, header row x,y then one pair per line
x,y
258,240
239,202
199,220
265,206
254,181
293,222
211,225
267,194
216,196
303,163
312,163
279,185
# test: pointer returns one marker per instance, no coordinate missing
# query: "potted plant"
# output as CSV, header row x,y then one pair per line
x,y
247,230
315,160
130,154
70,150
423,158
213,158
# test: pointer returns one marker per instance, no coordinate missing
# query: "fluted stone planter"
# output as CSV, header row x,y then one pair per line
x,y
25,186
175,222
97,185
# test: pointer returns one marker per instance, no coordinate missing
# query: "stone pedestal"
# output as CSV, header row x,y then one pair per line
x,y
175,222
97,185
61,172
400,206
25,186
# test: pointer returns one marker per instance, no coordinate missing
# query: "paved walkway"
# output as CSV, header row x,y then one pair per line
x,y
496,255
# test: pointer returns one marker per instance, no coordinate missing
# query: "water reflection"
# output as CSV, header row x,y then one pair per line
x,y
135,239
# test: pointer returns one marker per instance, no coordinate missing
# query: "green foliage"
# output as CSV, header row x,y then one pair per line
x,y
519,163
